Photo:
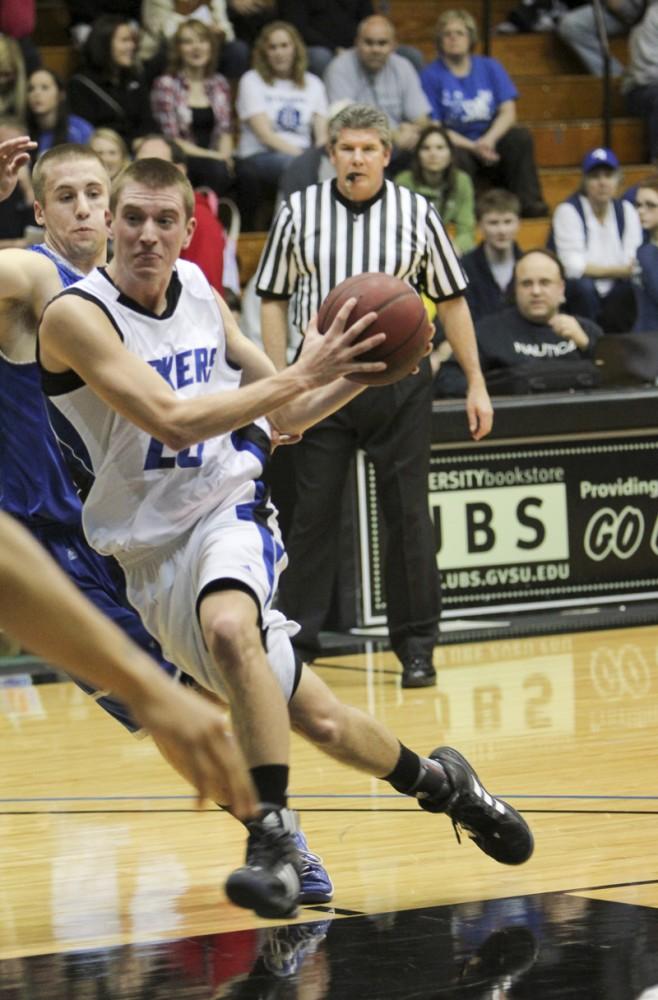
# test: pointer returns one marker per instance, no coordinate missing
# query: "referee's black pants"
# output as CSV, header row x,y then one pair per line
x,y
392,425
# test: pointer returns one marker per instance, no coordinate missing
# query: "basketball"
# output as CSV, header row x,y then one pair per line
x,y
401,316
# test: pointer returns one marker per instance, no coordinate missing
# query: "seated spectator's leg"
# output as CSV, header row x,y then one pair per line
x,y
643,102
206,172
248,193
466,161
414,55
235,59
577,29
582,298
518,170
319,58
269,166
618,308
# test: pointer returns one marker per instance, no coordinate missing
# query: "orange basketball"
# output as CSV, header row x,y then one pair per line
x,y
401,316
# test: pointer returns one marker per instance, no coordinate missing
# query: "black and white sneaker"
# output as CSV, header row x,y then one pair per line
x,y
269,881
497,829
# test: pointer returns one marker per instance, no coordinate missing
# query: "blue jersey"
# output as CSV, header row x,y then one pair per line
x,y
35,483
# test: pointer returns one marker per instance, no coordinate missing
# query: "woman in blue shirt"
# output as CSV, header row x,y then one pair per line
x,y
49,121
474,98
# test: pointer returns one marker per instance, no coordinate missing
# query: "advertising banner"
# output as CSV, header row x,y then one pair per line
x,y
530,525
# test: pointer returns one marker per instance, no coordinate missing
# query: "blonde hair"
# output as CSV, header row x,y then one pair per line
x,y
457,15
260,61
11,57
202,31
154,174
56,154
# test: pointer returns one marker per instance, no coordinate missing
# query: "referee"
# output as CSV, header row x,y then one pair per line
x,y
361,222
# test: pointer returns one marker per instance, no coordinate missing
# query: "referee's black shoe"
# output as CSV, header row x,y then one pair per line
x,y
492,824
269,881
418,672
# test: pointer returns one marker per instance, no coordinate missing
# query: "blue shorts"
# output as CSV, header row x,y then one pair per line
x,y
101,581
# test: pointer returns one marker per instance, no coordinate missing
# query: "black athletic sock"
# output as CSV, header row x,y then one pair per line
x,y
413,774
271,781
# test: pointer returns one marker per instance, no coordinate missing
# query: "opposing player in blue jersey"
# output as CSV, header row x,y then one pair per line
x,y
72,197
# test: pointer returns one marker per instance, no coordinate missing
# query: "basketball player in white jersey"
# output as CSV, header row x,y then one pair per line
x,y
162,397
42,609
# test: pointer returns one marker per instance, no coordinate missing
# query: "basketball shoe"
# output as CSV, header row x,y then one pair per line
x,y
269,881
492,824
315,884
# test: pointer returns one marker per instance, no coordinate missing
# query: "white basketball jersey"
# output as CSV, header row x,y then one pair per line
x,y
144,495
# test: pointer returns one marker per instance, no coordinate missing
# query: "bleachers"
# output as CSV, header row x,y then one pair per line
x,y
559,102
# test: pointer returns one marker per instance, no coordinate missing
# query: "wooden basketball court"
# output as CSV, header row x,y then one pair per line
x,y
111,883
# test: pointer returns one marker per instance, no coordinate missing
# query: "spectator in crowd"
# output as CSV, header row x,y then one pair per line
x,y
645,278
534,329
640,84
475,99
330,26
490,272
162,19
490,266
433,174
577,29
192,104
49,121
13,79
112,150
112,90
373,73
206,247
282,108
596,236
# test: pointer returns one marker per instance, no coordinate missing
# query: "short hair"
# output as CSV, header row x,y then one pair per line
x,y
360,116
110,135
259,56
154,174
457,15
497,200
203,32
545,252
177,154
361,27
59,154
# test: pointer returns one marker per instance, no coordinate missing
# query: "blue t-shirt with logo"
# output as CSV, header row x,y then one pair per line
x,y
467,104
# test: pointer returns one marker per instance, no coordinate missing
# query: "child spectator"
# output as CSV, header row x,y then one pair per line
x,y
112,150
433,174
490,267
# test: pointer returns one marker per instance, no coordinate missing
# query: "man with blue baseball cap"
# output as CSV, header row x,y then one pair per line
x,y
595,236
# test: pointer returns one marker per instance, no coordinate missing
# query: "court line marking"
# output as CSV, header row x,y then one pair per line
x,y
321,795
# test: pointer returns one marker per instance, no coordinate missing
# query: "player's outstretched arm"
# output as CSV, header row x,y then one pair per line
x,y
136,391
42,609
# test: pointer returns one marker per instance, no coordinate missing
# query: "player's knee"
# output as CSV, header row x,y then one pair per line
x,y
230,637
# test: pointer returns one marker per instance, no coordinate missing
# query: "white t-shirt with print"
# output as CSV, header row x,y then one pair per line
x,y
289,108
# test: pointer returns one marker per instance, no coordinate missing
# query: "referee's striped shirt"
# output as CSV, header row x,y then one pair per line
x,y
318,238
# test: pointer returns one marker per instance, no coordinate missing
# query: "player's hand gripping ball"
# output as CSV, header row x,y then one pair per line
x,y
401,316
